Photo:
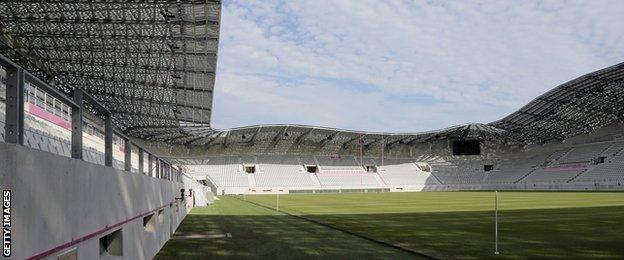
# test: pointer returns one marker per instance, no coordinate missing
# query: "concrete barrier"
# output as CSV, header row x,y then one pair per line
x,y
61,205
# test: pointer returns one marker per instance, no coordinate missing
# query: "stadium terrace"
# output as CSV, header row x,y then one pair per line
x,y
108,152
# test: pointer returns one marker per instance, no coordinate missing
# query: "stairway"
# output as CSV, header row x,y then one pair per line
x,y
576,176
526,175
379,179
251,179
431,174
314,179
554,161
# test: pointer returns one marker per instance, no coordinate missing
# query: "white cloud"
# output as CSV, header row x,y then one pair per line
x,y
345,63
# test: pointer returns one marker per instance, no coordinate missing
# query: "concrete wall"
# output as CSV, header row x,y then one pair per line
x,y
61,204
198,194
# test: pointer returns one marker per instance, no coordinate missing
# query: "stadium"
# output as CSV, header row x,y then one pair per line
x,y
108,152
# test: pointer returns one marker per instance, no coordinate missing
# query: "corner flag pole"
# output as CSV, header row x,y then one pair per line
x,y
496,223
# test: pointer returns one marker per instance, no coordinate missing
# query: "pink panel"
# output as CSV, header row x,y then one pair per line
x,y
42,113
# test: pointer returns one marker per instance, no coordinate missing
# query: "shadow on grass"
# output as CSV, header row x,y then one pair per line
x,y
260,233
571,233
577,233
268,237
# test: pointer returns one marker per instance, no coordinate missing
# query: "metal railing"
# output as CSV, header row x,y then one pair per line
x,y
16,76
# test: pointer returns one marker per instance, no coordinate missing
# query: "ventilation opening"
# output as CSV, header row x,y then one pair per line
x,y
72,254
370,168
600,160
311,168
250,169
161,216
112,244
488,167
149,223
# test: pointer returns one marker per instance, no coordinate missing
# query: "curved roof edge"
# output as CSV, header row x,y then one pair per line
x,y
578,106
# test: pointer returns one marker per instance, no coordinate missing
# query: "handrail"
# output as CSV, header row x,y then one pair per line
x,y
15,119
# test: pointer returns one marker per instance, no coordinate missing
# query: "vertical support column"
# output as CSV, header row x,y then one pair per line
x,y
157,168
128,155
76,141
150,162
108,140
14,127
140,160
383,148
361,142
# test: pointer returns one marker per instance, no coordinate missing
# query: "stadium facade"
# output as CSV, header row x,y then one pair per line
x,y
107,142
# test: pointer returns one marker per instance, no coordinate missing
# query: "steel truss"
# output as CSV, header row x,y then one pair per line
x,y
577,107
152,63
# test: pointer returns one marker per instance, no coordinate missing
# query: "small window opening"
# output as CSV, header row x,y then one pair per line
x,y
112,244
161,216
311,168
488,167
149,223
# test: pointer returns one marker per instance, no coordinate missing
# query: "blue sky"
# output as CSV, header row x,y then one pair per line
x,y
403,66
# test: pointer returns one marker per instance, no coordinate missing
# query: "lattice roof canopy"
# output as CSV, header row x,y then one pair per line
x,y
577,107
152,63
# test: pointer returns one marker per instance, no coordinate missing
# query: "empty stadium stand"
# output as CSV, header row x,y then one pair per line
x,y
583,165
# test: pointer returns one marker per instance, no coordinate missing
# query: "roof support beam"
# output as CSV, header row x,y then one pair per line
x,y
115,49
541,133
329,138
347,143
118,22
280,134
114,99
302,137
82,63
253,137
225,139
125,112
101,81
568,122
73,35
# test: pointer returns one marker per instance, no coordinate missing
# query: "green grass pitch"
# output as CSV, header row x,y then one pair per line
x,y
566,225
